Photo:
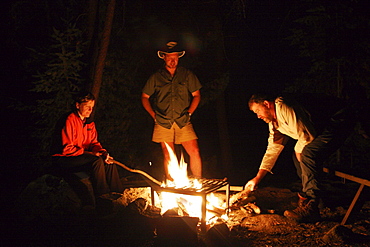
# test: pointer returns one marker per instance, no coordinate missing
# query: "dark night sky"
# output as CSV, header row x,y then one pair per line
x,y
259,58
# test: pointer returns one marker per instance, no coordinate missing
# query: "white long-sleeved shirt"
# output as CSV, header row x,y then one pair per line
x,y
293,121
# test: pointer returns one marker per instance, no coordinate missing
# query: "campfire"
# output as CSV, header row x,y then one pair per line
x,y
184,196
192,197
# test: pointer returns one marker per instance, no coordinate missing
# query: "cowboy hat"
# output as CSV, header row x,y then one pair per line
x,y
171,47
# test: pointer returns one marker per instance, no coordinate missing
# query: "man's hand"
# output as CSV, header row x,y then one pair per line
x,y
251,185
105,155
248,188
107,158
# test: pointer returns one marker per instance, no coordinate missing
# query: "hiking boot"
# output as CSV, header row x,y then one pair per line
x,y
301,200
307,212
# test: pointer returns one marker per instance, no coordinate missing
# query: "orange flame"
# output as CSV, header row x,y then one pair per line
x,y
190,204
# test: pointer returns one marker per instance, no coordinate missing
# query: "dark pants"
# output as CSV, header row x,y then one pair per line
x,y
315,153
104,177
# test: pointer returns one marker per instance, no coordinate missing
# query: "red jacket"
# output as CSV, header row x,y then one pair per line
x,y
77,137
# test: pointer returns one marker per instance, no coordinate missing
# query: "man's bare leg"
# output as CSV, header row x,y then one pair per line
x,y
192,148
166,158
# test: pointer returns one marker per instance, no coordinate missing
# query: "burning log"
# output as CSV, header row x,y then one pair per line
x,y
217,211
242,196
251,208
183,209
254,207
241,201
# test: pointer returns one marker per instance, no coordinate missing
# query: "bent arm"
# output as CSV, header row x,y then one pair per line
x,y
251,185
195,102
276,143
146,104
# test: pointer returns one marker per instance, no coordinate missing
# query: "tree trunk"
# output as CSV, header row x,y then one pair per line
x,y
91,19
104,44
91,32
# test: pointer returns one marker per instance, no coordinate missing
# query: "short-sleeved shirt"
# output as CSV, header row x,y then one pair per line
x,y
171,96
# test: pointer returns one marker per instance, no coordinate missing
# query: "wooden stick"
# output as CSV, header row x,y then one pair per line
x,y
138,171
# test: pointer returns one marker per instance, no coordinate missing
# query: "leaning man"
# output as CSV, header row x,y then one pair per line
x,y
288,119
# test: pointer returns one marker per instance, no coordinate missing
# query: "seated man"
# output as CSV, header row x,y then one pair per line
x,y
76,148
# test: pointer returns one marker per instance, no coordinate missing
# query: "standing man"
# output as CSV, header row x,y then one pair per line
x,y
170,96
76,148
288,119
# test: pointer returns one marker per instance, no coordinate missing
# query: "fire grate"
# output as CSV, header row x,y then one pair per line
x,y
208,186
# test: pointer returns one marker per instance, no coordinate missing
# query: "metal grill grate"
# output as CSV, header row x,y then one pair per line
x,y
208,186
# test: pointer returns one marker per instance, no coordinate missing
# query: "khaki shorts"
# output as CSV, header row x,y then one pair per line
x,y
175,134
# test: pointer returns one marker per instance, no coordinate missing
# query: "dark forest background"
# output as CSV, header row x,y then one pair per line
x,y
54,48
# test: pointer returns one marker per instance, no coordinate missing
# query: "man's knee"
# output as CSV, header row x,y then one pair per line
x,y
193,150
98,162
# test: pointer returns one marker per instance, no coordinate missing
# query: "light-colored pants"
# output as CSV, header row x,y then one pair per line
x,y
175,134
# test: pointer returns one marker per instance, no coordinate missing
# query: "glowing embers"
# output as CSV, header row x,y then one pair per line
x,y
184,196
182,205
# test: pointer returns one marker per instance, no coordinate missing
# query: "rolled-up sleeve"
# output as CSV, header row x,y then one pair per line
x,y
276,142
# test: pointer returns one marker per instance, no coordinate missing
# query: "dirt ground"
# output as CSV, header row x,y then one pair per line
x,y
271,228
130,220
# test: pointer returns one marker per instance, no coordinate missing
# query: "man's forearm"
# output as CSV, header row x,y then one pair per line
x,y
260,175
147,106
194,103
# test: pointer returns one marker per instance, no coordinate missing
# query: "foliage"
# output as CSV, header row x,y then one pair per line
x,y
214,88
124,126
120,118
330,34
57,80
117,109
334,37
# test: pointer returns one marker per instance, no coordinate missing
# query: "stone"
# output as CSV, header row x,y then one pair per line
x,y
46,198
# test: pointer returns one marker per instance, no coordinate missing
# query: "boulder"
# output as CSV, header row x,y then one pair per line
x,y
46,198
